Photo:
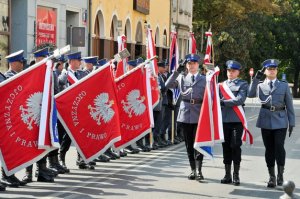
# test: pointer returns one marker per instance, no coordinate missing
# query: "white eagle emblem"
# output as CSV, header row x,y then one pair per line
x,y
102,109
134,103
32,113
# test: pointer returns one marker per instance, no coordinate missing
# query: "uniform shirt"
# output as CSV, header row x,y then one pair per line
x,y
63,77
188,112
239,89
279,96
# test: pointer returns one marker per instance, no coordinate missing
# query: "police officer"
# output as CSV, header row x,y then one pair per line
x,y
65,141
16,61
191,85
232,125
90,63
166,112
43,173
275,117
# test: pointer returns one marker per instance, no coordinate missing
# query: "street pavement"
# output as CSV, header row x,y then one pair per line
x,y
163,173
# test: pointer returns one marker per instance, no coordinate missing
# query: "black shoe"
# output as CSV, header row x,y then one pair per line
x,y
63,164
123,153
59,168
2,187
199,176
192,176
27,178
236,179
9,182
272,182
43,177
102,158
21,183
93,163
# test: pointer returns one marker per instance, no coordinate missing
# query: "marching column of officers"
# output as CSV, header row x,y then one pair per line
x,y
276,115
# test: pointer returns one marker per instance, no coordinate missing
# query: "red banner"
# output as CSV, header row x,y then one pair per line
x,y
153,79
20,112
133,107
89,113
45,25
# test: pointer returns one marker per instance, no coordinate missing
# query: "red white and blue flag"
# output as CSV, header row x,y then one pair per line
x,y
210,128
173,60
121,67
192,44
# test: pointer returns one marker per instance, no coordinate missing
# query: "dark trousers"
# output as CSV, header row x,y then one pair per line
x,y
64,139
189,132
232,151
274,143
157,116
167,121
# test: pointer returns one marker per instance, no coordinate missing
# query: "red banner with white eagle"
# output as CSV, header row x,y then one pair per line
x,y
20,118
133,107
89,113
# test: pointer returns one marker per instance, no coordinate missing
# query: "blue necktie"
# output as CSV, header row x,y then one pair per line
x,y
271,85
193,78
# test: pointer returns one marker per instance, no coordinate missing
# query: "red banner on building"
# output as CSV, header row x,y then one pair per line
x,y
45,25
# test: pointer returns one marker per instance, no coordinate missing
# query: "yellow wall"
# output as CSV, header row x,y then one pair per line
x,y
159,16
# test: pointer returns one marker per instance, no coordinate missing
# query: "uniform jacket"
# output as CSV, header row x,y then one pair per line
x,y
162,88
10,73
63,77
188,112
239,88
280,97
2,77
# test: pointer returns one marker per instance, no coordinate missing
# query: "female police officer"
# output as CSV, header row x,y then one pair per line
x,y
191,85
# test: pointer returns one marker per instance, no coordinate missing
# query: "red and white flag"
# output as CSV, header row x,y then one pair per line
x,y
72,79
20,118
174,53
155,92
121,67
133,107
208,52
89,113
227,94
192,44
210,127
48,138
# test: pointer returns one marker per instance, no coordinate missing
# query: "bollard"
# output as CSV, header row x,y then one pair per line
x,y
288,188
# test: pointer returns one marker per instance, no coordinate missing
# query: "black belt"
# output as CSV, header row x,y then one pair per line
x,y
193,101
273,108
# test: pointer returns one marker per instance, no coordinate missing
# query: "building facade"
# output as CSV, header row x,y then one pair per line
x,y
5,32
181,17
48,22
129,17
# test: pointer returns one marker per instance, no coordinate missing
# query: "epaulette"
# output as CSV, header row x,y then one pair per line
x,y
283,81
